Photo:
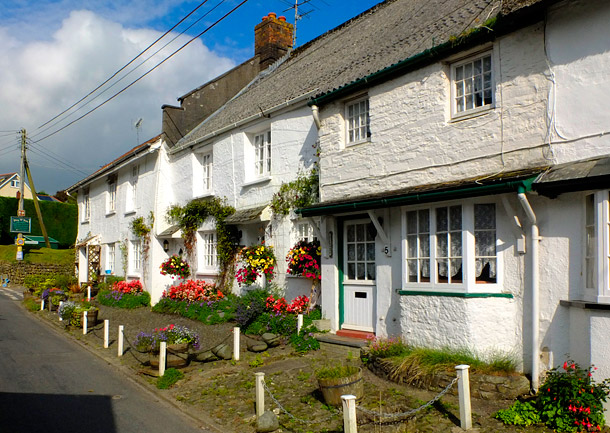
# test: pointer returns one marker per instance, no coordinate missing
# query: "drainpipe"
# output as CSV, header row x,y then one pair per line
x,y
534,256
316,115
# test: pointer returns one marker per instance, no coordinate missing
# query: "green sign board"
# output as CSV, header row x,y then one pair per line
x,y
21,224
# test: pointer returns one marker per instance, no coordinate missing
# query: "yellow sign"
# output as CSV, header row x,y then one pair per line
x,y
20,241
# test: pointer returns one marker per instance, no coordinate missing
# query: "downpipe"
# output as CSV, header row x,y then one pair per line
x,y
535,284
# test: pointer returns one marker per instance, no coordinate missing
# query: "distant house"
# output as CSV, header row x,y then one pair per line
x,y
10,184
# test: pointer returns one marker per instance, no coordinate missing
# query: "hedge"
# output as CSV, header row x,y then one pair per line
x,y
60,219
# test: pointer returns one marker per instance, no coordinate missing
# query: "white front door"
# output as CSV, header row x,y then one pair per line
x,y
359,275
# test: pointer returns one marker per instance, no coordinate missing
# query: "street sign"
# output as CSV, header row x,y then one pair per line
x,y
21,225
20,241
21,213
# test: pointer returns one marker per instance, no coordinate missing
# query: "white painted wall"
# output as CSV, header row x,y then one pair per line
x,y
293,140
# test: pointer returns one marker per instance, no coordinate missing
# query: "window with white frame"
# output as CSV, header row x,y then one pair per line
x,y
86,206
111,205
135,263
441,242
15,183
206,167
208,253
596,247
357,121
110,257
132,189
262,154
360,247
472,84
303,231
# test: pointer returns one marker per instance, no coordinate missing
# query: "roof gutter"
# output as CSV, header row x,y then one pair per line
x,y
416,198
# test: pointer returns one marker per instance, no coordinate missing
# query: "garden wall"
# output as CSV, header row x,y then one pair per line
x,y
18,271
483,386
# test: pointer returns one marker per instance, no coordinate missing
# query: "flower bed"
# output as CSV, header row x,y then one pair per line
x,y
193,291
125,294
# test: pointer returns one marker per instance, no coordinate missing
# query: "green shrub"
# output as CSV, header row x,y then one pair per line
x,y
570,400
520,413
170,377
130,301
336,372
210,313
387,348
31,304
304,341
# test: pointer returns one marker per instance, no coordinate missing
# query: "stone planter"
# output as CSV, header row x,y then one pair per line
x,y
177,356
333,388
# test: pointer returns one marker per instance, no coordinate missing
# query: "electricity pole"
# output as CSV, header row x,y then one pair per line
x,y
21,211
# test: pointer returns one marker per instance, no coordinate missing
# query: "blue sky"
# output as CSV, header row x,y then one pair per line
x,y
53,52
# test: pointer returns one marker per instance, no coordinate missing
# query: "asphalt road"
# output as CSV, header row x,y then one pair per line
x,y
51,384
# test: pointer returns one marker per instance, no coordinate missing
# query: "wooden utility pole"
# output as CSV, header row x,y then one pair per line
x,y
21,211
36,205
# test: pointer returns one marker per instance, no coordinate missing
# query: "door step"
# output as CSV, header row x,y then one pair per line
x,y
359,335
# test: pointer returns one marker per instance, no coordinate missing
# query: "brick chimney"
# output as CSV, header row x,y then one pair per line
x,y
272,39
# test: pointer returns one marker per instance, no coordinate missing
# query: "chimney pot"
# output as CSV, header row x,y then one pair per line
x,y
272,14
282,18
265,17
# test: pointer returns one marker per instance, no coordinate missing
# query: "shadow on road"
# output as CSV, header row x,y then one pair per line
x,y
52,413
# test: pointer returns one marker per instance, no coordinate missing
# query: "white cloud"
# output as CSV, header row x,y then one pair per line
x,y
39,78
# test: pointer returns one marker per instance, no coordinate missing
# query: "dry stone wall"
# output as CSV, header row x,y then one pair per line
x,y
17,271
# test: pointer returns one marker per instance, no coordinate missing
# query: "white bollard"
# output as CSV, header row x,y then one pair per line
x,y
162,357
260,394
60,304
120,340
236,343
106,333
299,323
42,305
84,323
88,293
349,414
464,396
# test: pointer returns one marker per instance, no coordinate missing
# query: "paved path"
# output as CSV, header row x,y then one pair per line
x,y
51,384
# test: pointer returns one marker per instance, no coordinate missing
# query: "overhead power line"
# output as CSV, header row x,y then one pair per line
x,y
126,65
121,78
145,74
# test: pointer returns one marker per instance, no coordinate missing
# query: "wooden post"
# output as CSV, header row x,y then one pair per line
x,y
349,414
106,333
464,396
42,305
260,394
59,308
236,344
299,323
84,323
162,357
120,340
89,293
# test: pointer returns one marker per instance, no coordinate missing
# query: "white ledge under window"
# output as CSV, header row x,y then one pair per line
x,y
134,275
205,194
130,212
210,273
112,212
85,222
257,181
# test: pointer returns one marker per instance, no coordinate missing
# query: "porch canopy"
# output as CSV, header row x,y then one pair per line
x,y
498,184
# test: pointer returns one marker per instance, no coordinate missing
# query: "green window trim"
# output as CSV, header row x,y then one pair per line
x,y
453,294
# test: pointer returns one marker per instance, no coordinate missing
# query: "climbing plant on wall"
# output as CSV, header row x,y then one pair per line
x,y
301,192
142,230
190,217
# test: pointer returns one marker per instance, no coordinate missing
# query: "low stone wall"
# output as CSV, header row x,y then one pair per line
x,y
17,271
483,386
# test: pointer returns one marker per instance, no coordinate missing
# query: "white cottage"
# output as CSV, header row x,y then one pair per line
x,y
456,208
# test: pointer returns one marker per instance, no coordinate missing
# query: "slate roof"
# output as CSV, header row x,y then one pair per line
x,y
384,35
6,177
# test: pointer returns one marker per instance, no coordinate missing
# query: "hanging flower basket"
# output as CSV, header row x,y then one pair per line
x,y
176,267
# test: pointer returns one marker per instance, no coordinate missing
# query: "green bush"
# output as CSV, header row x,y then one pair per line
x,y
336,372
170,377
31,304
109,281
305,341
209,313
129,301
520,413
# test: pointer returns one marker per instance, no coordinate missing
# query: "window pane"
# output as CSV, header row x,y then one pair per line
x,y
370,271
441,245
351,271
424,267
351,233
360,271
360,252
424,246
455,216
424,221
412,246
456,244
456,270
412,271
360,233
441,219
485,244
442,271
412,222
370,252
351,252
484,216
